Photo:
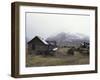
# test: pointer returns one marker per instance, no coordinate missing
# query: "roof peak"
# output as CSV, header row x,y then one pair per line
x,y
46,43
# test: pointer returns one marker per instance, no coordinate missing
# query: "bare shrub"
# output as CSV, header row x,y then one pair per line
x,y
71,51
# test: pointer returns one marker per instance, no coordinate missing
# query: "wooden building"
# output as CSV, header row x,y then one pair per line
x,y
39,46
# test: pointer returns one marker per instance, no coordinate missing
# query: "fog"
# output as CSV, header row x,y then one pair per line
x,y
45,25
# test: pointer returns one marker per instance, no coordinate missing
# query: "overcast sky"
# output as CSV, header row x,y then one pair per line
x,y
45,25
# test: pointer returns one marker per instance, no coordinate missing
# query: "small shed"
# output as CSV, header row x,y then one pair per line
x,y
37,45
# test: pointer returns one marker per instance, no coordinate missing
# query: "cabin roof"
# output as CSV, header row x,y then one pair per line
x,y
41,39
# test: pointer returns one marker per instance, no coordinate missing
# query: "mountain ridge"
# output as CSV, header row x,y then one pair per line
x,y
71,39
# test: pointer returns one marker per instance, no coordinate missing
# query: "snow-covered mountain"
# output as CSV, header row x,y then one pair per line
x,y
69,39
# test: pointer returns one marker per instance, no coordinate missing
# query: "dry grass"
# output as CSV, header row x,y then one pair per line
x,y
60,58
